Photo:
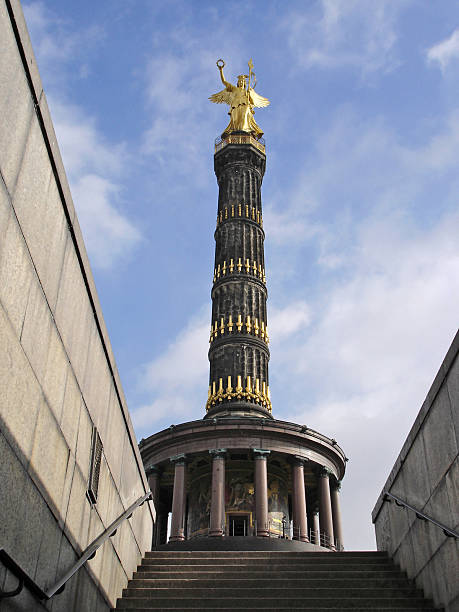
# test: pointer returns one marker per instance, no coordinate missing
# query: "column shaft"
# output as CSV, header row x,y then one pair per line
x,y
261,493
153,483
325,512
336,515
300,521
316,528
217,503
178,503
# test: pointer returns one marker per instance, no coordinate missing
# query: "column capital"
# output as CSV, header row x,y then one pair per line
x,y
178,459
298,460
335,485
324,471
261,453
152,469
217,452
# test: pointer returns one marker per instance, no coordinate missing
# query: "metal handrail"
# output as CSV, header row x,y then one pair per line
x,y
450,533
89,553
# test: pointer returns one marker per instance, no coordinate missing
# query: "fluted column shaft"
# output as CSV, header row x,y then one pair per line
x,y
336,514
261,491
325,511
178,500
217,502
238,351
300,521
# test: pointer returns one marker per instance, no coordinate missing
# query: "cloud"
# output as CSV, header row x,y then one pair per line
x,y
57,41
176,379
283,322
445,51
108,234
179,76
341,33
94,167
382,315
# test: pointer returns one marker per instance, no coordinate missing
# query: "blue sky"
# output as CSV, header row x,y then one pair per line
x,y
360,201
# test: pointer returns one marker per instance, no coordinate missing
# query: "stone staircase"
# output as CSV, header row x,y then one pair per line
x,y
262,580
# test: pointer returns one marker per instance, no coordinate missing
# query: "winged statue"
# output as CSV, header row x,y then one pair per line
x,y
241,98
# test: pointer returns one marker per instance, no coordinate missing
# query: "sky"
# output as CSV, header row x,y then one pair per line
x,y
360,201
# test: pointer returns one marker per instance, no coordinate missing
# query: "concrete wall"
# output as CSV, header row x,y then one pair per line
x,y
57,372
426,475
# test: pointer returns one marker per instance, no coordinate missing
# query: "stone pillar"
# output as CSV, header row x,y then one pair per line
x,y
261,491
336,514
178,500
217,503
325,511
153,476
315,527
300,521
160,530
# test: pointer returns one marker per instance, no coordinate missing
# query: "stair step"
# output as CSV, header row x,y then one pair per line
x,y
263,566
268,591
141,582
260,558
304,603
235,574
272,580
268,553
282,609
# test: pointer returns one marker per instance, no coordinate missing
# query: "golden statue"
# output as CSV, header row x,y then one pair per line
x,y
242,99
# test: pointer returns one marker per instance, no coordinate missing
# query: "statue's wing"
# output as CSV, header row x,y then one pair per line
x,y
258,100
222,97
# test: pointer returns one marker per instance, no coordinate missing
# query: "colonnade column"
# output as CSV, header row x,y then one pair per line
x,y
178,500
325,511
300,520
153,476
261,491
315,527
336,514
217,503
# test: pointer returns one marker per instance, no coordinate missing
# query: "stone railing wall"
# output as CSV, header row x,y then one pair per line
x,y
58,377
426,476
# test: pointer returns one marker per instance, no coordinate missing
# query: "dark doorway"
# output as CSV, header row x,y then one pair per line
x,y
238,524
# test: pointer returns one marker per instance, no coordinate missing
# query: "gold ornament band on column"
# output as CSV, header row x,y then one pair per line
x,y
237,265
240,210
251,325
253,392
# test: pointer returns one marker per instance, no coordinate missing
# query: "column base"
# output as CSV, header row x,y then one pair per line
x,y
262,533
179,537
301,538
216,533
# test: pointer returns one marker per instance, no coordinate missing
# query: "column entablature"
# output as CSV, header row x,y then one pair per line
x,y
233,433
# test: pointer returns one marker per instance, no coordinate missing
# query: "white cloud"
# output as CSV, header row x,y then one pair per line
x,y
286,321
177,379
94,167
56,41
107,233
445,51
341,33
383,318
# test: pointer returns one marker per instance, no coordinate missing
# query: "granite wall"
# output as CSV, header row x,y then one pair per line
x,y
58,377
426,476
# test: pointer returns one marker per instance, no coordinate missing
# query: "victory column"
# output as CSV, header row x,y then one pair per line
x,y
238,475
